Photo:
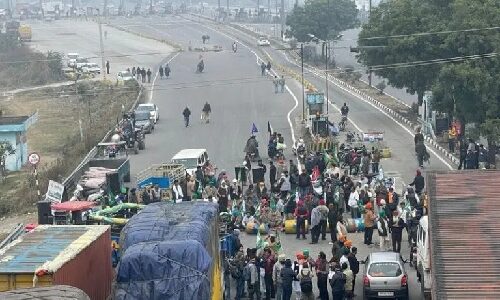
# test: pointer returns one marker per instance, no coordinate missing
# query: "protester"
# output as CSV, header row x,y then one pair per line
x,y
383,231
301,215
288,276
353,265
369,219
396,224
337,280
306,286
349,278
322,275
277,279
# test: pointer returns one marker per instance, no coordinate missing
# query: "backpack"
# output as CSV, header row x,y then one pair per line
x,y
306,285
338,281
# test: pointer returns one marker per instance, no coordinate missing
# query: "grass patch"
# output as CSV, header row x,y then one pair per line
x,y
56,134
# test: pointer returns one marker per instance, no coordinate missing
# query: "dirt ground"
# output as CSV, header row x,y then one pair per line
x,y
56,134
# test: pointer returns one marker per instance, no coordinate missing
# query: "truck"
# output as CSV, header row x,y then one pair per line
x,y
181,241
25,33
458,237
162,175
76,255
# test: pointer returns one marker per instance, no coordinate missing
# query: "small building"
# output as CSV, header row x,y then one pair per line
x,y
13,130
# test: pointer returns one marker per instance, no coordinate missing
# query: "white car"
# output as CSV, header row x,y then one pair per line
x,y
81,62
124,76
91,68
263,42
153,110
72,57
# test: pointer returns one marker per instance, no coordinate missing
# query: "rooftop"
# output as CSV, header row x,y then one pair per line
x,y
6,120
465,237
49,246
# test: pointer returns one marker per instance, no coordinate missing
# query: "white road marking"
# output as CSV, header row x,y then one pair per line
x,y
374,106
156,76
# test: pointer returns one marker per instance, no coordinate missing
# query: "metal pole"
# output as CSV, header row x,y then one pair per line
x,y
227,3
302,76
101,45
218,10
283,18
326,74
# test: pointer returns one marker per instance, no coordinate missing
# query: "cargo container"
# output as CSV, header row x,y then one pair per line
x,y
74,255
46,293
171,251
457,241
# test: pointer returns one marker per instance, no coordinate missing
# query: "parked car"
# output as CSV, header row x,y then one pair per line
x,y
263,41
144,120
80,62
91,68
152,109
385,276
72,57
124,76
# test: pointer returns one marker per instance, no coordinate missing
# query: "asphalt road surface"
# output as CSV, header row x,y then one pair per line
x,y
239,97
123,50
236,105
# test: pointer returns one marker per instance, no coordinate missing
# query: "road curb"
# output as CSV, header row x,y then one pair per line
x,y
177,47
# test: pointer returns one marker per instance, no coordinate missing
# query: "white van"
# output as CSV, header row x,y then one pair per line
x,y
191,159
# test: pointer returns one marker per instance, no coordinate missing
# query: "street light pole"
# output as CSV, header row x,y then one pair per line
x,y
302,75
326,73
101,45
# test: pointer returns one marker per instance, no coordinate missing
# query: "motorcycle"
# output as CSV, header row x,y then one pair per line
x,y
140,138
235,48
343,123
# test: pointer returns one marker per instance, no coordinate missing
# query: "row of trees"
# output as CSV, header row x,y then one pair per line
x,y
467,88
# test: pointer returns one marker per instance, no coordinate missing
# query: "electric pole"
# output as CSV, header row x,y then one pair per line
x,y
283,18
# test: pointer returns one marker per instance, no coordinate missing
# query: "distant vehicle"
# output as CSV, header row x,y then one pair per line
x,y
385,276
91,68
191,159
144,120
81,62
124,76
25,33
263,41
72,57
152,109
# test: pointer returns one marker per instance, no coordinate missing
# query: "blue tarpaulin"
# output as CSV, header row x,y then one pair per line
x,y
164,270
167,251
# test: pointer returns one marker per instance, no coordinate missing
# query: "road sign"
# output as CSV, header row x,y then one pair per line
x,y
55,191
34,158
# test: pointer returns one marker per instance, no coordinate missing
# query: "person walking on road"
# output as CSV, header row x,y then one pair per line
x,y
396,223
148,73
282,83
332,222
337,282
133,72
167,70
263,69
322,274
315,223
288,276
268,66
301,215
143,75
463,153
369,223
161,72
383,231
205,112
418,182
323,210
348,294
277,279
353,265
186,113
305,278
452,137
107,67
276,84
272,174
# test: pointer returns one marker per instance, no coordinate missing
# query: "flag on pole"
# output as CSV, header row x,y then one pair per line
x,y
269,128
254,128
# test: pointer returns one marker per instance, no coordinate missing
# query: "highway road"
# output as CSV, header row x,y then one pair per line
x,y
239,96
242,104
123,50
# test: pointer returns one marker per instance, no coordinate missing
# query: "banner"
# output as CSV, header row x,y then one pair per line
x,y
55,191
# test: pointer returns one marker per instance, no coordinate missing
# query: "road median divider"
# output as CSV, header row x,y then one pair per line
x,y
176,46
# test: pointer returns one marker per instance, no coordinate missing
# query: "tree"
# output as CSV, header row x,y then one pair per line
x,y
381,87
325,19
404,17
6,149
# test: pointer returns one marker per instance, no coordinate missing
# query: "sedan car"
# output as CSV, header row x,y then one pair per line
x,y
143,120
263,42
385,276
91,68
124,76
152,109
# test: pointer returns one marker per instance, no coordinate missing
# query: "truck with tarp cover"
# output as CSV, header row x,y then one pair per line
x,y
170,251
